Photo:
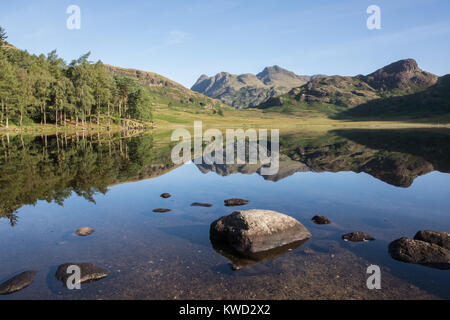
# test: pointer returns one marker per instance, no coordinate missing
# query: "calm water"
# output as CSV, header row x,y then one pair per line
x,y
389,183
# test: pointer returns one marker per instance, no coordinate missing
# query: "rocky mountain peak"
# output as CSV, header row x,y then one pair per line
x,y
246,90
404,75
406,65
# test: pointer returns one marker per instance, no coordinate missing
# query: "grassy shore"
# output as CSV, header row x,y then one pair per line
x,y
165,118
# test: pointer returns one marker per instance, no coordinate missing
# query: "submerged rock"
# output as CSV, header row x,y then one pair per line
x,y
420,252
89,273
161,210
199,204
357,237
83,232
166,195
17,283
253,231
235,202
320,220
439,238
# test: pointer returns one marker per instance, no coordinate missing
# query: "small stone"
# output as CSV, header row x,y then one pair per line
x,y
160,210
166,195
84,232
89,273
357,237
320,220
199,204
235,202
17,283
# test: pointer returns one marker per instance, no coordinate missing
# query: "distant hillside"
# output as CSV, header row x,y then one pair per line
x,y
431,102
166,92
400,83
247,90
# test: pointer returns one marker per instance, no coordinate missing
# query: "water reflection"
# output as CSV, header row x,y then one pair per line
x,y
51,168
240,261
396,157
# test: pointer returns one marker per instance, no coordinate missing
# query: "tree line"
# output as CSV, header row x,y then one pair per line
x,y
45,89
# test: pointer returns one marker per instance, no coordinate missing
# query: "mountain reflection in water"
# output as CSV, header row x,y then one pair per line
x,y
396,157
51,168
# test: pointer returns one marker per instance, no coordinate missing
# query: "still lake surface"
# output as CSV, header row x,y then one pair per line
x,y
389,183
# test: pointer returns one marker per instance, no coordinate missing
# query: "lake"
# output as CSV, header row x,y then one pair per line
x,y
387,182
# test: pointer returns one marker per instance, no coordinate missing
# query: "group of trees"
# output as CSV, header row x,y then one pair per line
x,y
44,89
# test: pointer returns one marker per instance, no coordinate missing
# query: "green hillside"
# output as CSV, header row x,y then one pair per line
x,y
400,89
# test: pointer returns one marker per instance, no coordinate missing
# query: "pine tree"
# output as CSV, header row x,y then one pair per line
x,y
3,36
8,85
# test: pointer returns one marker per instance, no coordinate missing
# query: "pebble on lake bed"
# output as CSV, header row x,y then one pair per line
x,y
85,231
320,220
199,204
17,283
166,195
357,237
89,273
161,210
235,202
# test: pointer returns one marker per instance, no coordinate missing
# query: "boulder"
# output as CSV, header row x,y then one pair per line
x,y
17,283
357,237
253,231
166,195
439,238
84,232
320,220
89,272
420,252
235,202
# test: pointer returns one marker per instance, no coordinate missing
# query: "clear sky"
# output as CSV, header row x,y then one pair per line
x,y
184,39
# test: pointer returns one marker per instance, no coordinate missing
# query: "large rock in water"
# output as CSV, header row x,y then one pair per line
x,y
440,238
89,272
254,231
420,252
17,283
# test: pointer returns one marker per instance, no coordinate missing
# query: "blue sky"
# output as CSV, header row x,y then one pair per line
x,y
184,39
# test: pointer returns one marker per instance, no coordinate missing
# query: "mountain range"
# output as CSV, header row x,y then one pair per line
x,y
400,89
248,90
